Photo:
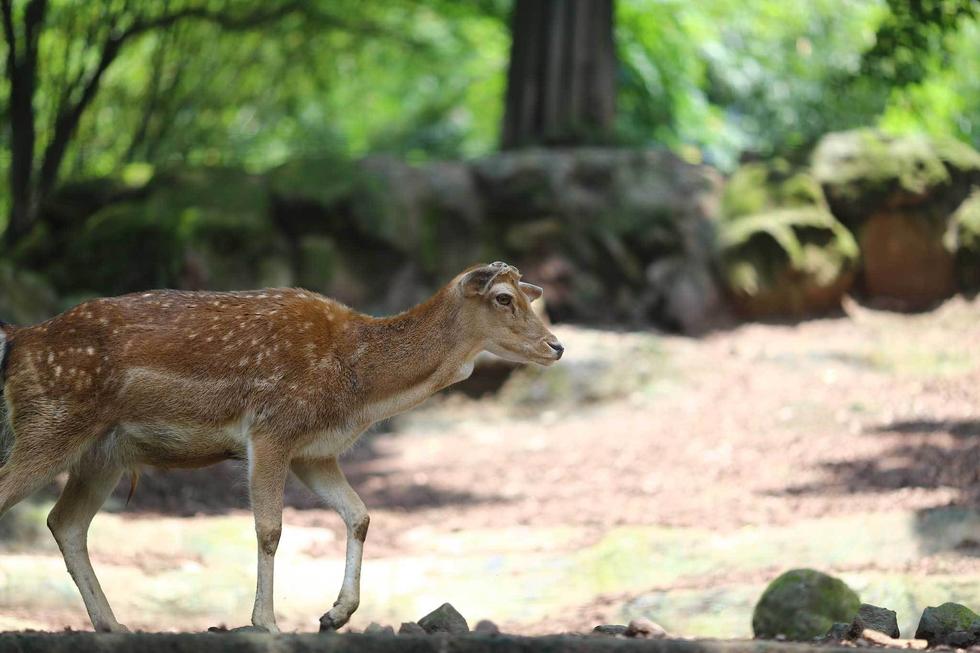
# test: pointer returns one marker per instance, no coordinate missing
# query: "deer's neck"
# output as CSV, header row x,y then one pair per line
x,y
402,360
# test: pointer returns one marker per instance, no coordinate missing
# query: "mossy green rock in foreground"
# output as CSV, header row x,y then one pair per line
x,y
803,604
795,262
938,623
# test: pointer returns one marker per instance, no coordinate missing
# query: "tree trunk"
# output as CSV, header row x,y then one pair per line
x,y
561,86
21,70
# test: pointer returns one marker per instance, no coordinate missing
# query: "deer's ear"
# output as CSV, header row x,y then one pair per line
x,y
531,291
476,282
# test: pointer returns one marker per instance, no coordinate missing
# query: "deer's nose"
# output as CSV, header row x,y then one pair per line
x,y
557,347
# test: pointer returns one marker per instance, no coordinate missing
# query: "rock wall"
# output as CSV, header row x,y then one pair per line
x,y
614,235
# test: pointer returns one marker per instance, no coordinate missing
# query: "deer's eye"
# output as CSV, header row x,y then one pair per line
x,y
504,299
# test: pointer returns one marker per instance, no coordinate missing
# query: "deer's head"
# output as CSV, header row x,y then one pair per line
x,y
497,310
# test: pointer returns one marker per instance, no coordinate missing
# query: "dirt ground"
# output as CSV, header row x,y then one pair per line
x,y
763,428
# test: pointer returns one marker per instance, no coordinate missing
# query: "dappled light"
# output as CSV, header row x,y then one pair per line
x,y
429,325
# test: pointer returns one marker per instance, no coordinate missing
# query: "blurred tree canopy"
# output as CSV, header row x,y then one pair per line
x,y
124,87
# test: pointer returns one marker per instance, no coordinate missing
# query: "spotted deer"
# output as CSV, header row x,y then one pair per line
x,y
284,379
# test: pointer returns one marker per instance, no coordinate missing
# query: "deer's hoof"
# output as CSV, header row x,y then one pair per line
x,y
332,621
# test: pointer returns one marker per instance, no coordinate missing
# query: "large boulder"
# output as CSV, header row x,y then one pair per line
x,y
787,262
187,228
761,186
223,222
964,239
613,234
897,194
25,297
379,233
803,604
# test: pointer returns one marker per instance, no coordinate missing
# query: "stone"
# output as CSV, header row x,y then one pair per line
x,y
963,238
938,623
645,629
802,604
961,639
610,630
863,171
25,297
897,195
906,261
374,628
444,619
761,186
632,230
788,262
838,632
411,628
486,627
870,617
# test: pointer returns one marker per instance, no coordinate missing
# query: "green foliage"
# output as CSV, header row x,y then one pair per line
x,y
946,100
716,78
342,78
725,77
910,31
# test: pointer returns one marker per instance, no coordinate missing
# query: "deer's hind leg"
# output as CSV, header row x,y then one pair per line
x,y
46,442
42,449
89,484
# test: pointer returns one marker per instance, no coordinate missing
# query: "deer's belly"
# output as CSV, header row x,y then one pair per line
x,y
172,445
329,444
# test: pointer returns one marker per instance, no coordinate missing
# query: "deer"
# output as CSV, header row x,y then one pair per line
x,y
284,379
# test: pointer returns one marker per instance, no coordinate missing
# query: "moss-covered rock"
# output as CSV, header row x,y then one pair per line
x,y
634,227
939,623
963,238
25,298
864,171
191,228
758,187
907,261
791,262
898,195
803,604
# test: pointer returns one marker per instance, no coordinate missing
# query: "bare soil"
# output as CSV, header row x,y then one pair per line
x,y
761,424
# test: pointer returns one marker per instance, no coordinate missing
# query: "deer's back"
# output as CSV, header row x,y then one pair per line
x,y
196,360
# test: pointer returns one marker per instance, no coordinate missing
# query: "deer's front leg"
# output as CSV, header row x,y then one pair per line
x,y
267,479
327,481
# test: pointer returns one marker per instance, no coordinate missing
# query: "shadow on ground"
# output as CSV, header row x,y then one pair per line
x,y
223,487
924,454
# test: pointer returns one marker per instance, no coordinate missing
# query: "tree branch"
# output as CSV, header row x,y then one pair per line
x,y
9,36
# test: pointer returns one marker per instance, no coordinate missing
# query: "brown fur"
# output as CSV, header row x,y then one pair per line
x,y
185,379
